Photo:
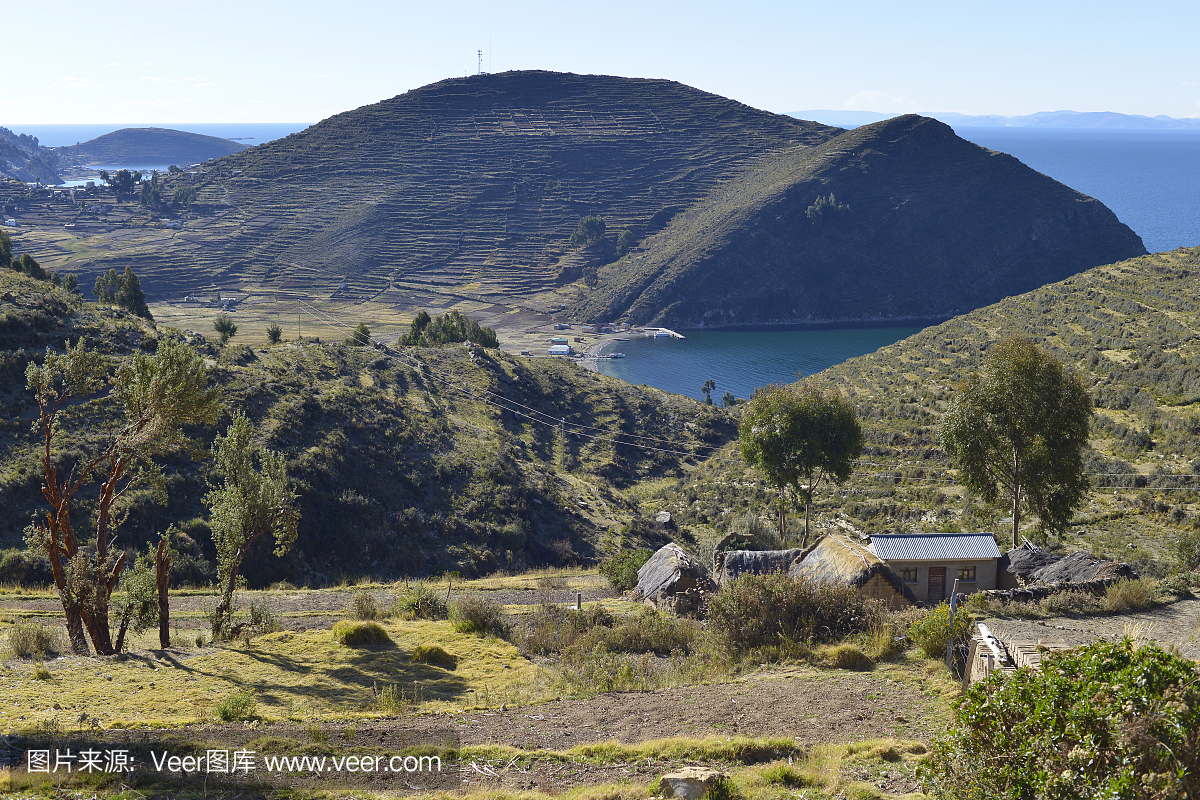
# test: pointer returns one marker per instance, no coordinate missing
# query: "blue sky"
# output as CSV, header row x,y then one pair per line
x,y
139,62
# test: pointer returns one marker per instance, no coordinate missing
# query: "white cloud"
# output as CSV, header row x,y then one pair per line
x,y
872,100
198,85
111,64
158,80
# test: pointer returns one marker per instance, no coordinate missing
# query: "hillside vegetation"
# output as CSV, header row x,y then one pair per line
x,y
713,213
148,146
407,462
1131,330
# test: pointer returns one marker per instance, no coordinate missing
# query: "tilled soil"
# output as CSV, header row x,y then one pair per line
x,y
806,707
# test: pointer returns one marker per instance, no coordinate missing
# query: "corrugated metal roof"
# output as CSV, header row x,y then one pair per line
x,y
935,546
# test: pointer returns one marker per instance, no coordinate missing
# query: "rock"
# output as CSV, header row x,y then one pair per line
x,y
689,783
671,572
663,517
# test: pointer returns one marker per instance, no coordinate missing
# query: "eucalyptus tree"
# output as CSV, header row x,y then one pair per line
x,y
1016,430
800,436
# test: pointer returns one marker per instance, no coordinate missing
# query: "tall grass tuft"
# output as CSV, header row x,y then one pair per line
x,y
365,606
353,633
1131,595
421,600
241,705
34,640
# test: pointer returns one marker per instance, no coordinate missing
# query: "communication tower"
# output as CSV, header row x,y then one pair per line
x,y
480,54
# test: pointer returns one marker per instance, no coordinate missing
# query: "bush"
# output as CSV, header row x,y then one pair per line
x,y
1073,602
773,610
884,641
262,618
392,699
621,569
421,600
1133,595
1187,549
473,613
359,634
25,568
932,631
34,640
365,607
1107,720
432,654
240,706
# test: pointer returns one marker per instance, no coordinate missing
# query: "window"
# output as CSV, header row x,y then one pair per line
x,y
966,574
909,574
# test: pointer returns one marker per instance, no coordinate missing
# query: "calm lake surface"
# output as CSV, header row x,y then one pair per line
x,y
740,361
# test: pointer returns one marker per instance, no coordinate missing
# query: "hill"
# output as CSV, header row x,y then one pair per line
x,y
1043,120
148,146
896,220
23,158
471,188
407,462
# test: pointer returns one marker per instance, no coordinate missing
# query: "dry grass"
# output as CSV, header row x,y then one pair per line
x,y
294,676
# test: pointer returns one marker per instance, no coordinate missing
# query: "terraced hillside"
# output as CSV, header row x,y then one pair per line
x,y
148,146
897,220
468,190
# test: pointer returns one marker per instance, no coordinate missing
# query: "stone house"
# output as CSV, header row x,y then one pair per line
x,y
929,563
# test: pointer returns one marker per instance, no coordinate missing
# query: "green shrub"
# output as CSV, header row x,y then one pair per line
x,y
883,640
474,613
365,607
262,618
238,706
621,568
1106,720
1131,595
432,654
1187,549
722,788
421,600
932,631
770,610
359,634
42,673
34,640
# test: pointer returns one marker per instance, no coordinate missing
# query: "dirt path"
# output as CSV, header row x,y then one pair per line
x,y
1176,624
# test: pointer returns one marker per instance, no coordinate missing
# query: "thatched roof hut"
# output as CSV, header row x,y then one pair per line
x,y
839,560
673,579
1029,565
730,564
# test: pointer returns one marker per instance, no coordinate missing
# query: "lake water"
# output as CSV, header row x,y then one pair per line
x,y
740,361
1151,181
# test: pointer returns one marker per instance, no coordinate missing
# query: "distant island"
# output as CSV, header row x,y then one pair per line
x,y
147,146
1047,120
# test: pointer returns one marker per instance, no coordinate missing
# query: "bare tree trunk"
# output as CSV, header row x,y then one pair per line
x,y
162,574
75,632
223,616
782,518
1016,498
806,504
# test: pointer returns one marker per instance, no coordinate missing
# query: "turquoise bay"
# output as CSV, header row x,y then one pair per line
x,y
740,361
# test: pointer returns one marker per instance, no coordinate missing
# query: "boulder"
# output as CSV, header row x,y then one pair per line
x,y
689,783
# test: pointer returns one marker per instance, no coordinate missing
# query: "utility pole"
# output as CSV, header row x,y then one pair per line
x,y
562,437
297,322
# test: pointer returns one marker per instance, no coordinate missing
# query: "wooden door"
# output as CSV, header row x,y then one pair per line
x,y
937,584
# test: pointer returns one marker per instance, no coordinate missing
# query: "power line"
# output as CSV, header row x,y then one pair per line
x,y
561,425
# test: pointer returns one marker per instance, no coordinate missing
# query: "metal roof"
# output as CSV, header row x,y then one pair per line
x,y
935,546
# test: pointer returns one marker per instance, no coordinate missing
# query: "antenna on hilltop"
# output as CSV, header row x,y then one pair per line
x,y
480,53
